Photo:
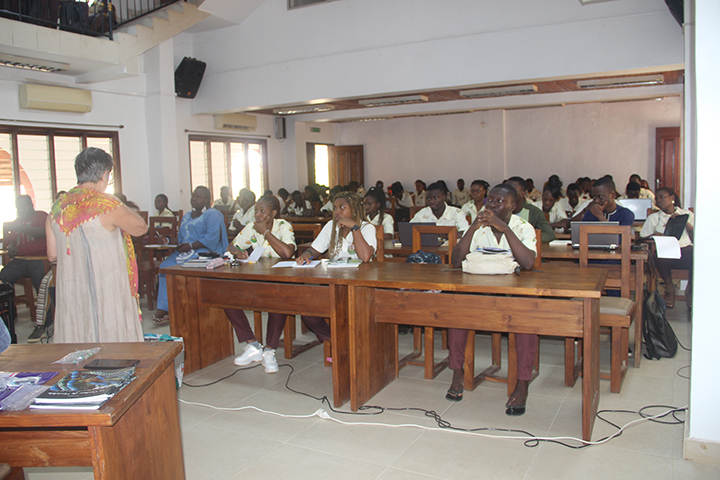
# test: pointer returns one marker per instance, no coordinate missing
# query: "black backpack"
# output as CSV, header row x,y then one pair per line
x,y
74,14
658,335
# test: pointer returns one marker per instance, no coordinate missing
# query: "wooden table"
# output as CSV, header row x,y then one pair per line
x,y
136,434
364,303
197,298
566,252
391,248
293,219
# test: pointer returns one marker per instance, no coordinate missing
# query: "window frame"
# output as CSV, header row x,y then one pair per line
x,y
227,140
51,133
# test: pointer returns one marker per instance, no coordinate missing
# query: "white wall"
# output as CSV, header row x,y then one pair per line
x,y
571,141
704,386
364,47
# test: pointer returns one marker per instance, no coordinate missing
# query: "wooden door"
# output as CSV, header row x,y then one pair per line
x,y
346,164
667,158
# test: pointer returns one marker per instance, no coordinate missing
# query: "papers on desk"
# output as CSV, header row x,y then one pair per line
x,y
344,263
667,247
562,243
294,264
196,263
157,245
493,250
254,256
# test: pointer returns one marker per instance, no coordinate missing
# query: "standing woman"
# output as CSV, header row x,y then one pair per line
x,y
201,230
669,205
88,234
349,235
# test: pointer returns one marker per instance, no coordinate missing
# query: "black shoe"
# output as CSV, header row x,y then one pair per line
x,y
38,334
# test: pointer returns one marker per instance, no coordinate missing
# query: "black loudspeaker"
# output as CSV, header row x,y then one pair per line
x,y
188,76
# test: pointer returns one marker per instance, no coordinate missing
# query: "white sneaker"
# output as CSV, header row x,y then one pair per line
x,y
269,362
250,355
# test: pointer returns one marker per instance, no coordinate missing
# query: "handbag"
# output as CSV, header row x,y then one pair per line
x,y
658,335
490,264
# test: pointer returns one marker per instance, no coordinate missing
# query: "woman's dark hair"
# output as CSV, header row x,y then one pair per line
x,y
554,191
553,181
439,185
573,187
162,197
91,164
483,184
632,187
273,202
671,192
422,183
206,192
379,197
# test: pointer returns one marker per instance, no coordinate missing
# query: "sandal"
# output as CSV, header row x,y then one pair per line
x,y
453,395
160,322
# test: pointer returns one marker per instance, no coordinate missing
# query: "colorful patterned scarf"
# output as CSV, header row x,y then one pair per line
x,y
81,205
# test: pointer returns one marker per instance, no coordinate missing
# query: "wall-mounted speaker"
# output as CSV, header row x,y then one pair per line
x,y
188,76
280,128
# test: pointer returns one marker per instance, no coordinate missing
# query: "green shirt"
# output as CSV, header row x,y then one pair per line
x,y
536,218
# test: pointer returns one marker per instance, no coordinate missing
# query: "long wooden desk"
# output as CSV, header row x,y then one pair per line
x,y
639,257
363,303
392,249
136,434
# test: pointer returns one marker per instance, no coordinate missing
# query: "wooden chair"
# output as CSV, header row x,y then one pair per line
x,y
431,368
616,313
306,231
144,215
471,381
163,227
414,210
380,250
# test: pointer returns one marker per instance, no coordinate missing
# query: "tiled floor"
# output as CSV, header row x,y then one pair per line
x,y
222,445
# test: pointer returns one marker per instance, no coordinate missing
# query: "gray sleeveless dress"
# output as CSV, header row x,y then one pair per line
x,y
93,298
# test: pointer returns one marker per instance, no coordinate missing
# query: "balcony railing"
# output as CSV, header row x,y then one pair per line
x,y
96,18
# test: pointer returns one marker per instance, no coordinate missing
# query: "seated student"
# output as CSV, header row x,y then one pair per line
x,y
245,213
311,195
374,203
161,205
224,202
478,192
297,206
644,191
201,230
585,186
496,226
632,190
572,205
328,207
460,195
603,208
553,182
439,212
349,235
355,187
533,194
282,197
552,209
276,236
420,193
404,199
669,205
528,211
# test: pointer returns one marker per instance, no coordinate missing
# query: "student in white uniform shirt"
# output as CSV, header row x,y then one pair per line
x,y
478,192
461,195
420,193
552,208
224,202
644,192
328,207
374,203
297,206
669,206
245,214
276,236
403,198
350,236
439,212
161,205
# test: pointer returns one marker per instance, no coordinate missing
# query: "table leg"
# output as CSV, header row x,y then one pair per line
x,y
591,365
639,272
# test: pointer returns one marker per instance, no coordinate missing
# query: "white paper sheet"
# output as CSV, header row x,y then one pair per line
x,y
255,255
293,264
667,247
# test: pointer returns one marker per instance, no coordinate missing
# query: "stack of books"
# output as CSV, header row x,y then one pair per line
x,y
84,389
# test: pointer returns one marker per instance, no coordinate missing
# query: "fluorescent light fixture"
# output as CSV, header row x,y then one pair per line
x,y
499,91
325,107
35,64
368,119
622,81
379,102
587,2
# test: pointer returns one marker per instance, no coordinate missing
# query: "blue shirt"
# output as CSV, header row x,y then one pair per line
x,y
208,229
622,215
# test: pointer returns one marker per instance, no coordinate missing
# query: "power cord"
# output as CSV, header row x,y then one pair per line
x,y
529,440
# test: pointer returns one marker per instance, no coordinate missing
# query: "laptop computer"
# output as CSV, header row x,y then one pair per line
x,y
596,241
639,206
426,239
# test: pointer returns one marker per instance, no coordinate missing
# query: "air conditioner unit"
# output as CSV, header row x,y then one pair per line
x,y
58,99
236,121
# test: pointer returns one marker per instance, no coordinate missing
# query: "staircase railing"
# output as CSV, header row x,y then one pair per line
x,y
97,18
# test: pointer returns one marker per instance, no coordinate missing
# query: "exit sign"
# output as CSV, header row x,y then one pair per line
x,y
315,129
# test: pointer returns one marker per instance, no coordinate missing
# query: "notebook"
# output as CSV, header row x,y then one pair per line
x,y
426,239
639,206
596,241
676,226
